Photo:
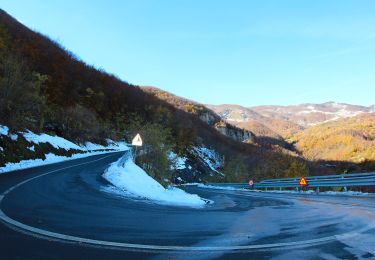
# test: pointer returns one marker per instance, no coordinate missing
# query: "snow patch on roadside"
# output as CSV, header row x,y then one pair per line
x,y
50,158
92,146
55,141
120,146
59,142
88,149
208,186
133,181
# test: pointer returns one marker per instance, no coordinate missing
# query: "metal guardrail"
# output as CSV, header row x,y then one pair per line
x,y
340,180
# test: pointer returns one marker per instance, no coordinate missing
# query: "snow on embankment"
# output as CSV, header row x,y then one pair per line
x,y
131,180
210,158
76,150
59,142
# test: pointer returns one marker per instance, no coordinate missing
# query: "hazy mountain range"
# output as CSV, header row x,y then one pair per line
x,y
319,132
286,120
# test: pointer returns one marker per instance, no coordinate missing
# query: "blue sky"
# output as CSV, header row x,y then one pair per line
x,y
241,52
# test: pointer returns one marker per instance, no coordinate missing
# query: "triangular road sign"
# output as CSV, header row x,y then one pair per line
x,y
303,181
137,140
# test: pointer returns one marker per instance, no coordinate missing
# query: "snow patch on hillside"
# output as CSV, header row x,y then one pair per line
x,y
340,111
211,158
133,181
4,130
178,162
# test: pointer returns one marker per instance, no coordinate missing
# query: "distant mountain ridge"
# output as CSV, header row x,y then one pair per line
x,y
286,120
328,132
311,114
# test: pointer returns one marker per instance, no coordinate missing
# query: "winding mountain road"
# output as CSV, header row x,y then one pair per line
x,y
68,210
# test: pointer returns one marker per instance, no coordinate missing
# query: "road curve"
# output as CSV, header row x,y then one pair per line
x,y
70,208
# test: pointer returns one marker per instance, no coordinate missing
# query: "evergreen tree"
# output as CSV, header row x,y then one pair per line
x,y
296,169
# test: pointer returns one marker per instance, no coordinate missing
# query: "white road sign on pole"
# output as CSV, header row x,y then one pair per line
x,y
137,140
251,182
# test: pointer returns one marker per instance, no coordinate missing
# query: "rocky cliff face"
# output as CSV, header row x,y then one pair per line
x,y
204,114
235,133
209,117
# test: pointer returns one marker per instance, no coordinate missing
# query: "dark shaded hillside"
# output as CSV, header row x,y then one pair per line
x,y
72,84
47,89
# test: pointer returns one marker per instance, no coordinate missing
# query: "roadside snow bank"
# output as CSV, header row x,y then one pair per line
x,y
55,141
84,150
50,158
59,142
134,181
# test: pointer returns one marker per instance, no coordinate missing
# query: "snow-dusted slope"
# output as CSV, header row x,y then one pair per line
x,y
211,158
81,150
131,180
304,114
312,114
59,142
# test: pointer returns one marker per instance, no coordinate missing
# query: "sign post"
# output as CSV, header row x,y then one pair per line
x,y
137,141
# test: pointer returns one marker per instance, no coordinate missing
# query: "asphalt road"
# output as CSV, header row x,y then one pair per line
x,y
67,210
